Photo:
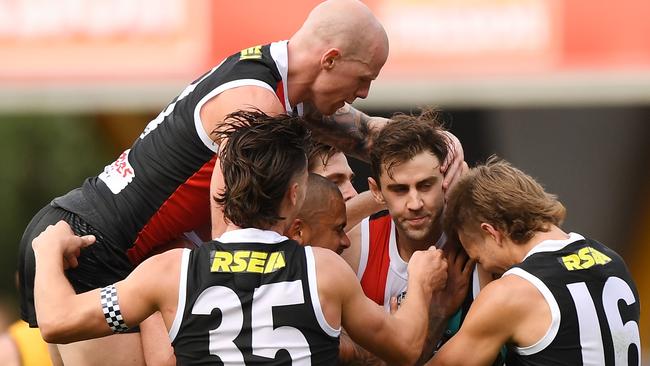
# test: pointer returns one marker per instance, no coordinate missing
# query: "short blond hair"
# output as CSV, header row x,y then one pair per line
x,y
505,197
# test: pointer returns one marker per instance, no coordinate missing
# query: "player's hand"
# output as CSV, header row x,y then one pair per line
x,y
454,165
459,270
429,269
60,241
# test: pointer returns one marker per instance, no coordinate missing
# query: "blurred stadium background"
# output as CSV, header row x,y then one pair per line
x,y
561,88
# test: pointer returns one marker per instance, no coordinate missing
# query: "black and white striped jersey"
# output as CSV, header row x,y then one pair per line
x,y
159,188
251,298
594,305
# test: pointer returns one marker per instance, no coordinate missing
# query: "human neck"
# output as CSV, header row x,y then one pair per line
x,y
300,71
407,246
279,227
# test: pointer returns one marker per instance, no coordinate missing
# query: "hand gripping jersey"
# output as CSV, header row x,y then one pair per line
x,y
159,188
594,305
382,272
251,298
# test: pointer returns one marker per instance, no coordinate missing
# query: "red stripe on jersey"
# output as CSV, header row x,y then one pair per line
x,y
188,208
374,277
279,91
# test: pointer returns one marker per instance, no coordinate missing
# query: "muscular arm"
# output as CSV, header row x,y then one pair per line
x,y
397,338
506,311
360,207
446,302
156,346
348,129
65,317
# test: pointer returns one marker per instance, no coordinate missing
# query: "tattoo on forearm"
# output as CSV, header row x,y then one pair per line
x,y
348,129
356,355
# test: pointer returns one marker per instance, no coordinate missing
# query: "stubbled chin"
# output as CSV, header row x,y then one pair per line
x,y
415,234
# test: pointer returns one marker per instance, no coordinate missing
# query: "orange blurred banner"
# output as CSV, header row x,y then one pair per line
x,y
102,40
144,40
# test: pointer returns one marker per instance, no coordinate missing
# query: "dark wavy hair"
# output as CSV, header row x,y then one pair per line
x,y
262,155
405,136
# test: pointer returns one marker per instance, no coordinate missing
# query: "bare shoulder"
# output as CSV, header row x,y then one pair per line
x,y
160,268
332,269
508,292
509,297
246,97
252,97
329,259
337,284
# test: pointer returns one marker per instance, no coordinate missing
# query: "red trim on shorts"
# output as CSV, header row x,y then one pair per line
x,y
374,277
186,209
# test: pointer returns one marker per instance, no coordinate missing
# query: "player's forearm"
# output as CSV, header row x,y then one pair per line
x,y
411,321
348,129
437,323
360,207
59,318
52,292
352,354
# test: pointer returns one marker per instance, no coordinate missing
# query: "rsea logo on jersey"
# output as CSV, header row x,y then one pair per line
x,y
584,258
251,53
247,261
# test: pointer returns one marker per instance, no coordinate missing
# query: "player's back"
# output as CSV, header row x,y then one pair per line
x,y
159,187
594,305
251,298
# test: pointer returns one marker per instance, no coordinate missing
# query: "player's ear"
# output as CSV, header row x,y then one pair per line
x,y
294,231
293,194
491,231
376,191
329,58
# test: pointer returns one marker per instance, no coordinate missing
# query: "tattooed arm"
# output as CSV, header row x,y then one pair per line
x,y
348,129
351,354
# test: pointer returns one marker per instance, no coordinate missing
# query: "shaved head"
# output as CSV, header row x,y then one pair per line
x,y
345,24
321,220
335,56
322,196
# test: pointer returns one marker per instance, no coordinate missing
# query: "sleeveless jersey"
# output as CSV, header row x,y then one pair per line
x,y
251,298
159,188
382,272
594,305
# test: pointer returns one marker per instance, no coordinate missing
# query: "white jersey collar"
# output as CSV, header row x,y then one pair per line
x,y
554,245
280,54
251,235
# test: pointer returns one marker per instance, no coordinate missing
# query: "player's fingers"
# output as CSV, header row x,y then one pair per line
x,y
450,251
71,259
452,174
87,240
63,227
